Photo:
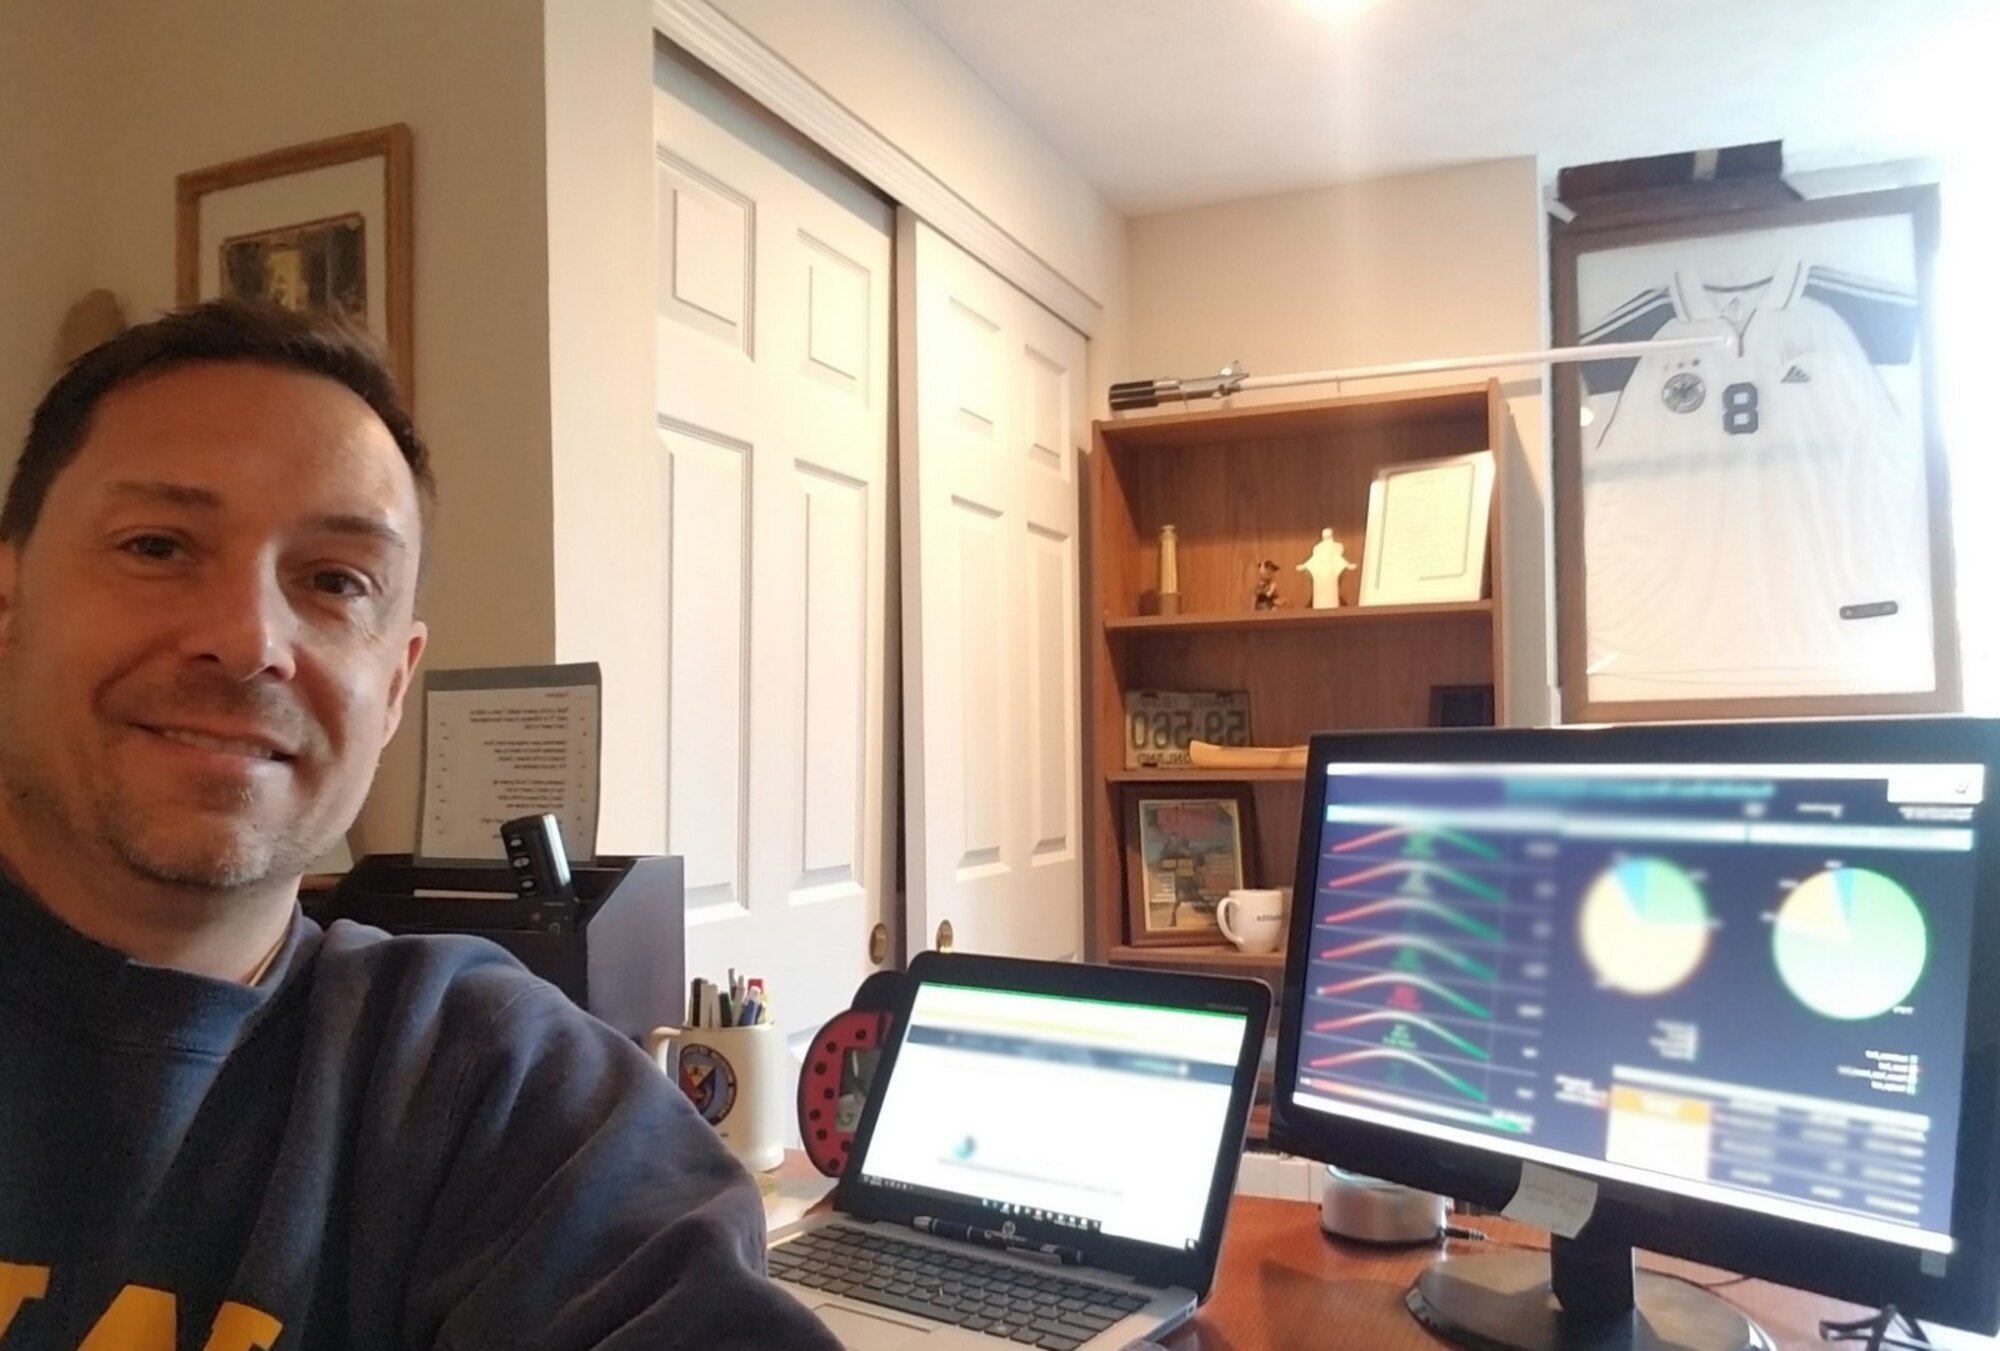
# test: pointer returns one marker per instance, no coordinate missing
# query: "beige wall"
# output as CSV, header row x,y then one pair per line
x,y
44,227
197,82
1967,293
1450,263
609,599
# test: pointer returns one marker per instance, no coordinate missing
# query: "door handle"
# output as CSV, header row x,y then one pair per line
x,y
878,944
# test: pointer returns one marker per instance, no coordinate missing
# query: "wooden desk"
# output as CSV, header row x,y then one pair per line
x,y
1285,1286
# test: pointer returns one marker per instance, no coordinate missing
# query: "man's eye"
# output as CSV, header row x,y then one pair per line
x,y
339,582
152,546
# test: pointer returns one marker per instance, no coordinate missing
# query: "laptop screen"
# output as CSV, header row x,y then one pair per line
x,y
1093,1115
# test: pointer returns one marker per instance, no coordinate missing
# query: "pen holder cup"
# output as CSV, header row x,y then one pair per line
x,y
740,1081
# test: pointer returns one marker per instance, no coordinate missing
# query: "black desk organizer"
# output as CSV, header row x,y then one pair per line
x,y
624,959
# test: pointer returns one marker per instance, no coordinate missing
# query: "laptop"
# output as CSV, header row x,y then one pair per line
x,y
1046,1159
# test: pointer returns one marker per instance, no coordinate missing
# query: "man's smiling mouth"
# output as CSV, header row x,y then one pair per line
x,y
222,745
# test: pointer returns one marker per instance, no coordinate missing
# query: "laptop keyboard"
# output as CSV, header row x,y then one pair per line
x,y
954,1287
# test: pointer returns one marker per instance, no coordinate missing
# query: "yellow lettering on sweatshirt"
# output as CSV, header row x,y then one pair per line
x,y
18,1285
139,1319
238,1327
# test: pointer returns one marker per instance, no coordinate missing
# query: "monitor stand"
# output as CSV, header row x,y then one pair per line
x,y
1579,1296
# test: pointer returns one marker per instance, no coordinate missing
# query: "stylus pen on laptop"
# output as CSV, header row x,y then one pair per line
x,y
996,1238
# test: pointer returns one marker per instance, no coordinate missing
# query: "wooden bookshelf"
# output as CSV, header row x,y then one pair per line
x,y
1241,485
1255,621
1204,775
1269,966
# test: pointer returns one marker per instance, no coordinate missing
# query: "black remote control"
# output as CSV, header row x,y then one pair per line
x,y
541,871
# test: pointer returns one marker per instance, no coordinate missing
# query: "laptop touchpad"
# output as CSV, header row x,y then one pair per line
x,y
865,1332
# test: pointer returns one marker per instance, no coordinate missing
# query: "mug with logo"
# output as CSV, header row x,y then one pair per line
x,y
739,1079
1253,918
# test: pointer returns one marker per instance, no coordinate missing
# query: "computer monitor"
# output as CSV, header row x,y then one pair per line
x,y
1723,973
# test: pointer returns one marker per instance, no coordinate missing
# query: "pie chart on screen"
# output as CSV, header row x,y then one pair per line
x,y
1645,926
1850,943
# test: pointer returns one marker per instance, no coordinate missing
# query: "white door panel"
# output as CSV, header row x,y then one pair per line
x,y
990,587
772,372
708,583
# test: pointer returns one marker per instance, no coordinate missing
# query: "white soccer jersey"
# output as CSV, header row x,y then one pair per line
x,y
1754,516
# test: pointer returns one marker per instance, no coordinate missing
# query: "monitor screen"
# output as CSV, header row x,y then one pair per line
x,y
1742,982
1022,1104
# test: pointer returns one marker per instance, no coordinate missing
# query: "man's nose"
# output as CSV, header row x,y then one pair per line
x,y
245,623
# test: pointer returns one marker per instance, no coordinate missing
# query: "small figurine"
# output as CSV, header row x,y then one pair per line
x,y
1267,586
1324,566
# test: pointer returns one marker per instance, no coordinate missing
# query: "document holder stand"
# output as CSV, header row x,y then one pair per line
x,y
623,955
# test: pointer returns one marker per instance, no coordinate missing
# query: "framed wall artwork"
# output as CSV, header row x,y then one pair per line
x,y
1186,847
1760,528
324,227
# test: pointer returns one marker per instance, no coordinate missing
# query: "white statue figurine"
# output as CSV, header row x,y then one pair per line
x,y
1328,561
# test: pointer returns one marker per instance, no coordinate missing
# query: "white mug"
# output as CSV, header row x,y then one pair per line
x,y
738,1079
1253,918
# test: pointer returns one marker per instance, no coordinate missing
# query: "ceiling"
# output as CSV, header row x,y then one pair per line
x,y
1172,103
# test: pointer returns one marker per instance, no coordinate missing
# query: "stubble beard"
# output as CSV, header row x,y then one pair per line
x,y
216,847
228,853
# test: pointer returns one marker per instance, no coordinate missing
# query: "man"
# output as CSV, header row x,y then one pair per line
x,y
219,1127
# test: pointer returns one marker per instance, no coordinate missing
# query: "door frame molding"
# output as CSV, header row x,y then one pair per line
x,y
723,45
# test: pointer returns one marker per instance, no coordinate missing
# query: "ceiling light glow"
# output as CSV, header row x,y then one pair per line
x,y
1334,10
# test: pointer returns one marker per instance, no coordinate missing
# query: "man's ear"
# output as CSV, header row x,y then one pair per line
x,y
399,683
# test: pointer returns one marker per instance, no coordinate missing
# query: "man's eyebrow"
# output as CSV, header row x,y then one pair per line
x,y
175,494
188,495
349,523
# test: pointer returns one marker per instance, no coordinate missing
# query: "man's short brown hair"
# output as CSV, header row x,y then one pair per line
x,y
219,330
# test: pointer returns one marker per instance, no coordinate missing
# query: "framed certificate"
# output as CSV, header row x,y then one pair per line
x,y
1426,537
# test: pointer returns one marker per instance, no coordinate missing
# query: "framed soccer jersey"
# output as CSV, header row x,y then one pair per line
x,y
1760,527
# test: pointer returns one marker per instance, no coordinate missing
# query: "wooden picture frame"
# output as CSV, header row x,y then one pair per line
x,y
321,226
1205,834
1761,529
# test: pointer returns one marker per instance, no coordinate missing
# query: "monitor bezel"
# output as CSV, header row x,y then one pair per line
x,y
1790,1252
1153,1263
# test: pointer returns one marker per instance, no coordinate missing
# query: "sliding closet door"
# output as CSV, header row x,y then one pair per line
x,y
993,410
774,415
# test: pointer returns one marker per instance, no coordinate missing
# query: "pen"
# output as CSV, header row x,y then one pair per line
x,y
996,1238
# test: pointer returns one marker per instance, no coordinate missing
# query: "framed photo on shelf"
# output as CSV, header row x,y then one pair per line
x,y
1186,847
323,227
1760,528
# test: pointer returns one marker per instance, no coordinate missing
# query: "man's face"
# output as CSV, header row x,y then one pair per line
x,y
206,638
